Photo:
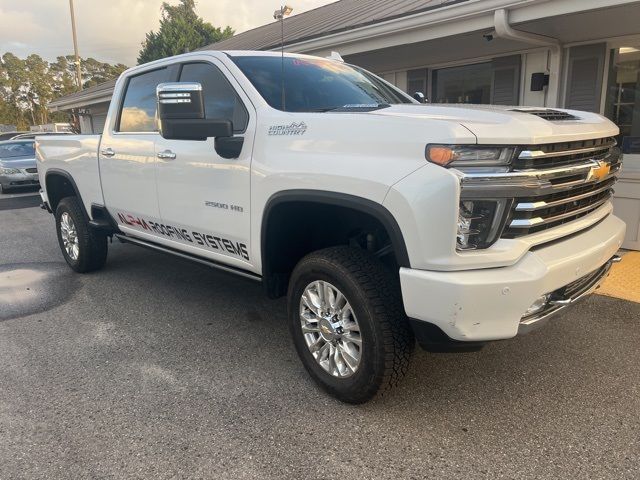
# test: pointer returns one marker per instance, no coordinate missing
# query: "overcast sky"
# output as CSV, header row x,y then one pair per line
x,y
112,30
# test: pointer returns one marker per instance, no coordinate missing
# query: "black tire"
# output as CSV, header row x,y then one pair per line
x,y
374,294
92,245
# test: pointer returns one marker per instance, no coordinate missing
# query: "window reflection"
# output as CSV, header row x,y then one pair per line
x,y
139,106
220,99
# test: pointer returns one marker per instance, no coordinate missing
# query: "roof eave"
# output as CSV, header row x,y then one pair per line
x,y
460,12
71,103
447,20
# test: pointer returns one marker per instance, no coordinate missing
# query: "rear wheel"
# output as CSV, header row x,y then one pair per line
x,y
83,248
348,323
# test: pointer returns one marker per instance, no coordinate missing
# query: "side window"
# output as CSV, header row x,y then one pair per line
x,y
220,98
138,113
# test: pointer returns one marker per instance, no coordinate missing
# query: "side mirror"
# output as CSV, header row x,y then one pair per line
x,y
182,116
419,96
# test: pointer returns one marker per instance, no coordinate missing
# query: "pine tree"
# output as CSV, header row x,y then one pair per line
x,y
181,30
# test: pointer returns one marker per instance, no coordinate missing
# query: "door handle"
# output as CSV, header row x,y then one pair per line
x,y
107,152
166,155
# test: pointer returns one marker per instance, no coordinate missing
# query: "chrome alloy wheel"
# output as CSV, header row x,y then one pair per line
x,y
330,329
69,236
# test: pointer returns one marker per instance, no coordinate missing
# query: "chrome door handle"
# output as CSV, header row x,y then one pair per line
x,y
167,155
107,152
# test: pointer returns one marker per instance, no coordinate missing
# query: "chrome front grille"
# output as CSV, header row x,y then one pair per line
x,y
534,214
549,185
561,154
575,193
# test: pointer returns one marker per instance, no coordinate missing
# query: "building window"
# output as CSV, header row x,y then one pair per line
x,y
466,84
496,82
417,81
623,96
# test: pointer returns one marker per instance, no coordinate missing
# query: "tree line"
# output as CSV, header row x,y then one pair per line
x,y
28,85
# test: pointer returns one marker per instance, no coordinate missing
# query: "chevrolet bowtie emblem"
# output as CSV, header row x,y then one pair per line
x,y
599,172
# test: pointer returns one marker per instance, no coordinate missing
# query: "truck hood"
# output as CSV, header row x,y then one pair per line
x,y
495,124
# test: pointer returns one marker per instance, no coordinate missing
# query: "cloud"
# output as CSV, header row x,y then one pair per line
x,y
113,30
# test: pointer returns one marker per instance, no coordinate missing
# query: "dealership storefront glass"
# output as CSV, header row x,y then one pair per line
x,y
496,81
623,96
465,84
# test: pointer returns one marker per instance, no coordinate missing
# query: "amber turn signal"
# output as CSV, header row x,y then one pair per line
x,y
440,155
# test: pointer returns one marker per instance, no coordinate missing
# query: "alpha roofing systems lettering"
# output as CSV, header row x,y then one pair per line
x,y
213,242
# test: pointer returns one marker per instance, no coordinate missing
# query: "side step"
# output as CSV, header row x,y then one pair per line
x,y
194,258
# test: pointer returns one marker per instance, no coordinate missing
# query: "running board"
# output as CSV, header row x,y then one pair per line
x,y
203,261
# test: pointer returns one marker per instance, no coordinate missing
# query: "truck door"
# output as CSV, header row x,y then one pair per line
x,y
203,197
127,154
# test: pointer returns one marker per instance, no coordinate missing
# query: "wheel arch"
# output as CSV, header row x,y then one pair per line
x,y
60,184
276,286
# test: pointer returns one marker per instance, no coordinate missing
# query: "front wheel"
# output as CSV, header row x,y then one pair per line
x,y
348,323
84,249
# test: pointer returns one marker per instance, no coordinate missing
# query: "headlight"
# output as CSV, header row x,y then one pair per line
x,y
480,222
8,171
470,156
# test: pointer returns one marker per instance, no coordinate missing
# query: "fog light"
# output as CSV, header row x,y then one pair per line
x,y
538,305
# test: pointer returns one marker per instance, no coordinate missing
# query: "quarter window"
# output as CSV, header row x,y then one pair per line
x,y
139,105
220,99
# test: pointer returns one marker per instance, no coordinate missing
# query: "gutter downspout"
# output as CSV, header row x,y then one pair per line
x,y
504,30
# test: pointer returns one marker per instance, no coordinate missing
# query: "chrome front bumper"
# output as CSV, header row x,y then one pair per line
x,y
567,296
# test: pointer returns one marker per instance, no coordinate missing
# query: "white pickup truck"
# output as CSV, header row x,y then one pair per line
x,y
384,220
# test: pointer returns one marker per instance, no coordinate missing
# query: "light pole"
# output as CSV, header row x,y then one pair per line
x,y
75,46
284,11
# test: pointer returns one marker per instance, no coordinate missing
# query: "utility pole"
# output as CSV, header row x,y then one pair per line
x,y
285,11
75,46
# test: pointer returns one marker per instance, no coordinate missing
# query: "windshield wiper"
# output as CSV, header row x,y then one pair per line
x,y
356,107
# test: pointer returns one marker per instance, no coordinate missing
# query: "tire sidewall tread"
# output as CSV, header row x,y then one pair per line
x,y
92,245
374,294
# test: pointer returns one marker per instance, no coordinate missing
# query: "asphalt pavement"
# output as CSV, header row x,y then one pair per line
x,y
156,367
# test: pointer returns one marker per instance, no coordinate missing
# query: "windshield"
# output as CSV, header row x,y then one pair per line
x,y
17,149
316,85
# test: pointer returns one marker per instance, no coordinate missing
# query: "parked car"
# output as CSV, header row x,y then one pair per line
x,y
383,220
33,135
9,135
18,167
